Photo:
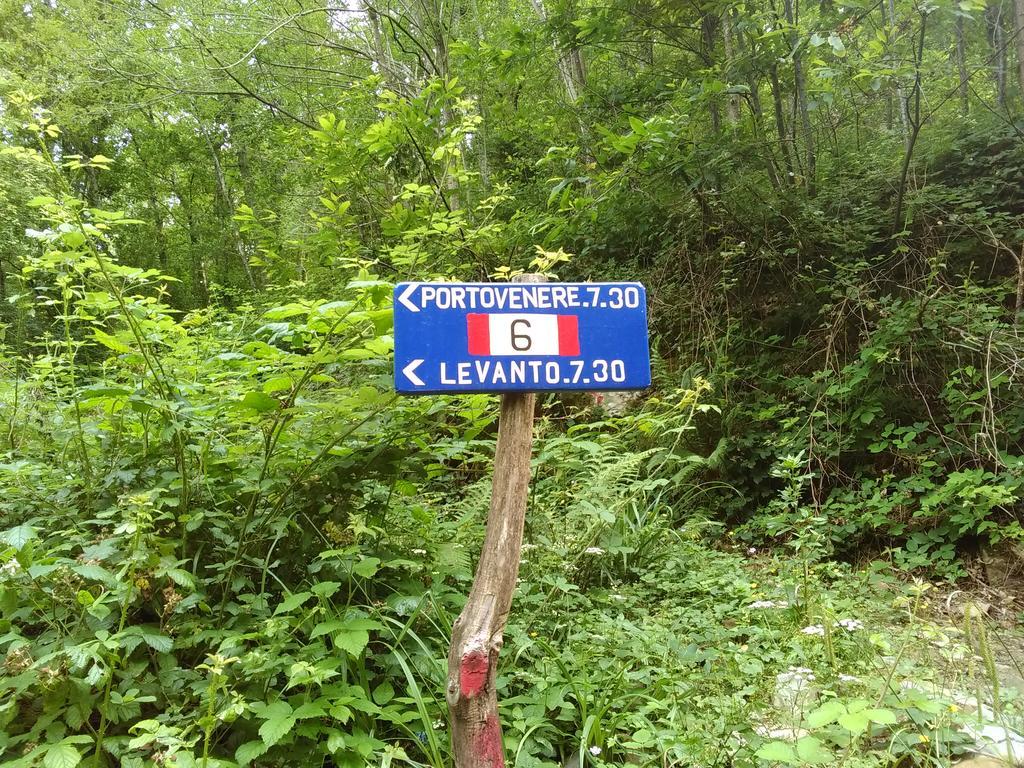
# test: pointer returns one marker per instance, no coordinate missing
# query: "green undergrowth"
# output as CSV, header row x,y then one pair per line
x,y
314,629
226,542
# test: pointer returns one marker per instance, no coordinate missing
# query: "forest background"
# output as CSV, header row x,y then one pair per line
x,y
226,542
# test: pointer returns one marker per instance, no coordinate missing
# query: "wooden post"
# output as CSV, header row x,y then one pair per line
x,y
478,633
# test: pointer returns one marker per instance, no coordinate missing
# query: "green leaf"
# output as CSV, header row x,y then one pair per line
x,y
309,709
159,642
363,742
335,741
249,751
111,342
61,755
855,722
327,627
825,714
383,693
778,752
73,239
366,567
286,311
325,588
352,640
18,536
278,384
812,751
292,602
259,402
361,623
181,577
881,716
279,721
96,573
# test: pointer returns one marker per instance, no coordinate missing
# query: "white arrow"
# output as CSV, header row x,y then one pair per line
x,y
404,298
410,375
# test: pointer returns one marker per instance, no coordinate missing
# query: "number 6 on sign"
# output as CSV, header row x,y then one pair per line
x,y
521,342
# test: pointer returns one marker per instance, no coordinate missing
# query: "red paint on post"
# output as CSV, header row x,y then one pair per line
x,y
487,744
473,673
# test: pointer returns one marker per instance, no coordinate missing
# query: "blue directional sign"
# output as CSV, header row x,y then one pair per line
x,y
529,337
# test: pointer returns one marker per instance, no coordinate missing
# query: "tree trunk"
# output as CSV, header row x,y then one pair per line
x,y
889,11
961,64
477,634
732,103
1018,15
481,139
382,56
1019,305
997,41
915,127
780,123
195,249
708,24
568,70
573,73
154,205
801,95
245,174
753,78
228,211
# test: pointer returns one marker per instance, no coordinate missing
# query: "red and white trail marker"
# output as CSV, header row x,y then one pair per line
x,y
512,334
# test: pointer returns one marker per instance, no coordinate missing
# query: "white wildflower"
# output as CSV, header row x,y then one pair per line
x,y
595,751
594,551
850,625
419,551
619,598
10,568
848,679
757,604
801,674
752,550
813,629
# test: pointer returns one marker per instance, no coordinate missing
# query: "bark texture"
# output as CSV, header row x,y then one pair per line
x,y
997,39
570,64
1018,15
961,66
478,633
791,10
